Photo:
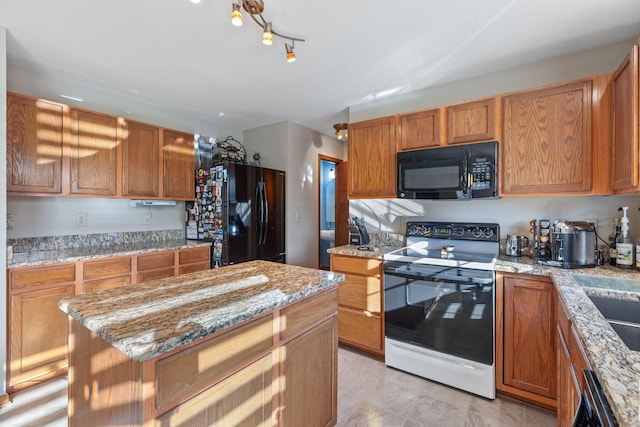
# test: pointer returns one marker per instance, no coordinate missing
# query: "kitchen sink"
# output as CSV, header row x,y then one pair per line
x,y
624,317
603,282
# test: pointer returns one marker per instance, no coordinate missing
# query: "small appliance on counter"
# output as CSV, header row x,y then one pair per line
x,y
517,245
573,245
358,234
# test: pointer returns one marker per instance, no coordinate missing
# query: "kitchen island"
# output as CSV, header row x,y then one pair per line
x,y
250,344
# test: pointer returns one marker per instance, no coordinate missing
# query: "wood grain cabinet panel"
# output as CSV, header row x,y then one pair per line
x,y
140,160
310,359
421,129
38,336
22,279
94,141
372,158
360,306
178,161
106,267
527,335
102,284
471,121
36,134
625,162
547,143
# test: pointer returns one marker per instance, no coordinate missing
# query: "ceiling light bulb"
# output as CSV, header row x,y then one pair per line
x,y
267,36
291,57
236,16
339,134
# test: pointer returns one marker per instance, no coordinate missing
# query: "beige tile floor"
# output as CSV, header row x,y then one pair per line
x,y
369,395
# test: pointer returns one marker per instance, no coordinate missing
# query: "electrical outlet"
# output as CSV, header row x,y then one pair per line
x,y
81,219
147,218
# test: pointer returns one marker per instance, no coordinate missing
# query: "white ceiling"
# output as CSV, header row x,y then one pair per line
x,y
189,56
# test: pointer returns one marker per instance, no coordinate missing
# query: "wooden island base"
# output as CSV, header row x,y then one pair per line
x,y
276,369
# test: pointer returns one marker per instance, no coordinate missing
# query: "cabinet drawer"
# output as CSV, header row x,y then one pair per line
x,y
155,260
106,268
183,269
190,371
360,328
160,273
364,266
42,276
188,256
112,282
360,292
298,317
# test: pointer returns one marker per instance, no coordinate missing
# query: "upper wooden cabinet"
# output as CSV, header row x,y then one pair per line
x,y
471,121
625,110
372,158
547,141
178,162
420,130
55,150
36,134
94,141
140,159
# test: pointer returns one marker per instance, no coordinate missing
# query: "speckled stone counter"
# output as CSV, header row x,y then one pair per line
x,y
43,257
154,317
616,366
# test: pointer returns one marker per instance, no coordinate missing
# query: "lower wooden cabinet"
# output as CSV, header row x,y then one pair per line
x,y
37,347
525,338
37,328
360,306
571,362
308,371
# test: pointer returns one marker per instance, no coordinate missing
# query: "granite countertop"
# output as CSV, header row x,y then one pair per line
x,y
43,257
154,317
372,252
616,366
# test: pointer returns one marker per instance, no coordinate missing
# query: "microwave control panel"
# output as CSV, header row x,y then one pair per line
x,y
481,172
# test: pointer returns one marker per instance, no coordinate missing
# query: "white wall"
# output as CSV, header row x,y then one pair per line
x,y
295,149
513,214
583,64
56,216
3,207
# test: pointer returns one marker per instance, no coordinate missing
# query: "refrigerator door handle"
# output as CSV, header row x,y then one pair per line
x,y
261,213
265,200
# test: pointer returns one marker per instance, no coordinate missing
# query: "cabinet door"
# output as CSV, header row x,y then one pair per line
x,y
547,147
372,158
38,336
35,138
529,328
112,282
93,153
568,384
308,378
178,160
140,160
420,130
471,121
243,399
625,145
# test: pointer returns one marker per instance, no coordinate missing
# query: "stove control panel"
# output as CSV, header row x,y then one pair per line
x,y
487,232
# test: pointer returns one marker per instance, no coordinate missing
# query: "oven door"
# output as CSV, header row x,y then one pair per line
x,y
445,309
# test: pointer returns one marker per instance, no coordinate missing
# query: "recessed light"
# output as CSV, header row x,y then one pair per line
x,y
72,98
221,113
195,1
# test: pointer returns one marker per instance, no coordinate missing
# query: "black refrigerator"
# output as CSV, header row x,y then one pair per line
x,y
240,209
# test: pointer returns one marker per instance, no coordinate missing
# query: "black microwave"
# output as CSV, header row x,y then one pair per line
x,y
466,171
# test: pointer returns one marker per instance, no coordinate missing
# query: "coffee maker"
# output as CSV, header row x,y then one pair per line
x,y
573,244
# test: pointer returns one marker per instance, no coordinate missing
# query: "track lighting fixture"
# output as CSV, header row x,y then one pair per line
x,y
289,49
341,131
255,8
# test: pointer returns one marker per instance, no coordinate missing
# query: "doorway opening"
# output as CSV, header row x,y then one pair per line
x,y
332,199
